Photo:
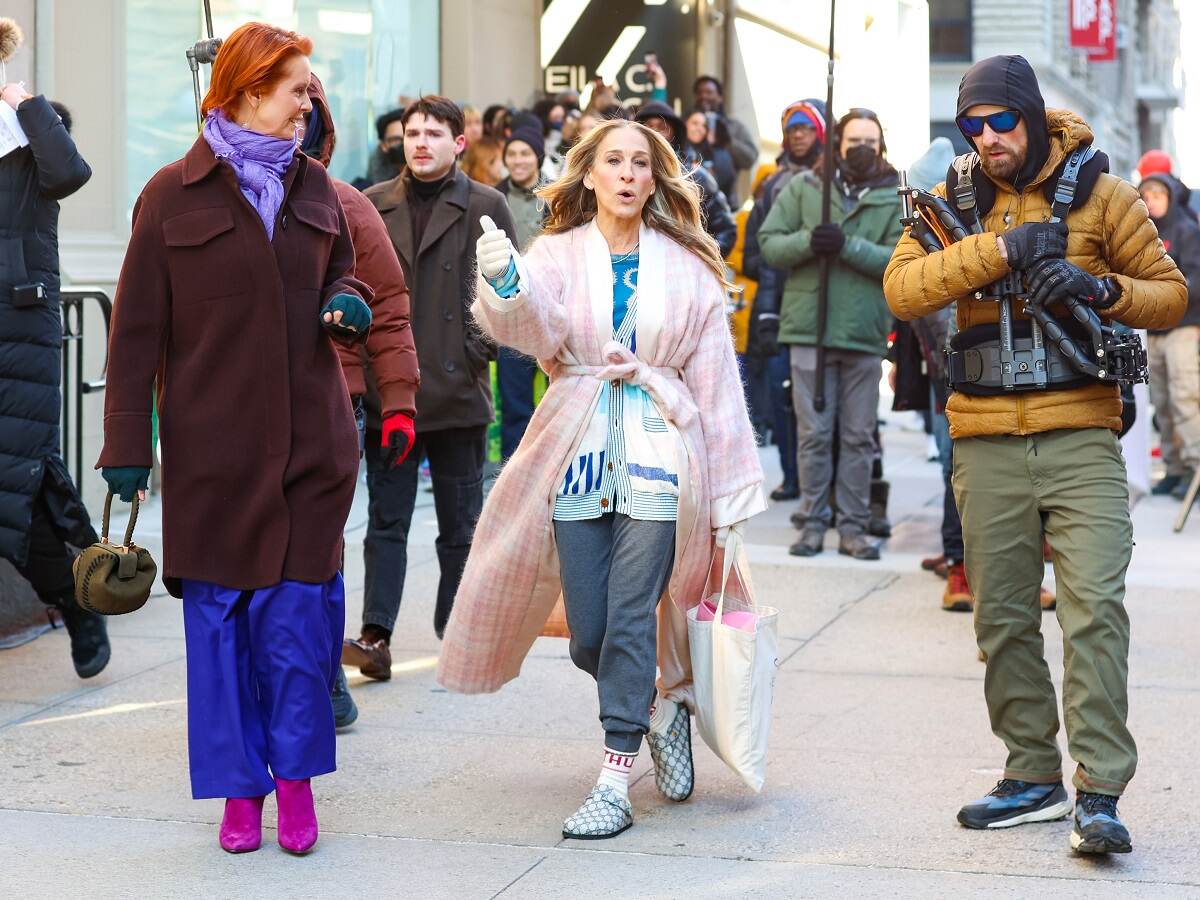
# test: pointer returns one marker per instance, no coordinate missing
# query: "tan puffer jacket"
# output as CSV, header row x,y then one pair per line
x,y
1110,235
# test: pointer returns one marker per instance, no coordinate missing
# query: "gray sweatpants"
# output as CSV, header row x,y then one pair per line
x,y
614,570
851,401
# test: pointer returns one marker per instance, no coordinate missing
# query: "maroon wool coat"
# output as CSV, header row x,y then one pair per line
x,y
259,447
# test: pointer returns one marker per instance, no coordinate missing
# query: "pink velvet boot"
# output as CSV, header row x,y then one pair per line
x,y
241,826
297,817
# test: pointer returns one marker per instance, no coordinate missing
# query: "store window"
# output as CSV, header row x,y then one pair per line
x,y
950,30
367,53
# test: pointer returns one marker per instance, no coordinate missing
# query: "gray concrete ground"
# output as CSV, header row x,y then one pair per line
x,y
879,734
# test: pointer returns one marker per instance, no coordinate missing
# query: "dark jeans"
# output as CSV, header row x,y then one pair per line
x,y
456,458
514,378
779,383
613,621
952,536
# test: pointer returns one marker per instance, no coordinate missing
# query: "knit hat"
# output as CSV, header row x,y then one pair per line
x,y
1154,162
532,137
655,109
804,112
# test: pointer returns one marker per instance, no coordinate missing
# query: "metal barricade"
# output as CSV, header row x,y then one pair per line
x,y
73,302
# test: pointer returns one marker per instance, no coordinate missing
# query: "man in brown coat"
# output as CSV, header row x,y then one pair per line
x,y
432,213
388,349
1047,458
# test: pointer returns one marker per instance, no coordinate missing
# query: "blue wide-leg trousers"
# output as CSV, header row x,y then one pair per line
x,y
260,667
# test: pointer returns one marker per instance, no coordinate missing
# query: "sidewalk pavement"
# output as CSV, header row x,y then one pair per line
x,y
879,735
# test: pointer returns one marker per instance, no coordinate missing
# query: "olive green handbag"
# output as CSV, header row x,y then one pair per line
x,y
114,579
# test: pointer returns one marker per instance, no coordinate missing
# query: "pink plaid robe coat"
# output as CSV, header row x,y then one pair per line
x,y
562,315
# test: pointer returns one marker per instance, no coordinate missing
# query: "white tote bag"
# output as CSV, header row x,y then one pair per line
x,y
735,651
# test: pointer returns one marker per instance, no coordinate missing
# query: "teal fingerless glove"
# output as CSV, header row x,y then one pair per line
x,y
126,481
356,317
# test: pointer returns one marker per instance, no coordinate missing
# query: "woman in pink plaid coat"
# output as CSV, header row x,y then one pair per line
x,y
639,457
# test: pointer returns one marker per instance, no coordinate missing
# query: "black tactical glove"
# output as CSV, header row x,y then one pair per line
x,y
1055,280
827,239
1033,241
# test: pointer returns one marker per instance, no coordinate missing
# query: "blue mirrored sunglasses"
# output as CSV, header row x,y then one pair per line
x,y
1000,122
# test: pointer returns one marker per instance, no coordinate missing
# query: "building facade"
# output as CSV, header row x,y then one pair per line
x,y
1128,101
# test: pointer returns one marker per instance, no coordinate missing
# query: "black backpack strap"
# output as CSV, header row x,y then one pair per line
x,y
1068,182
963,194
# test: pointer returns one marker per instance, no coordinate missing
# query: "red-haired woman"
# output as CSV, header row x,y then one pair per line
x,y
233,284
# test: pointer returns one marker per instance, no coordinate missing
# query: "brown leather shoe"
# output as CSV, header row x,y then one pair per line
x,y
930,563
373,658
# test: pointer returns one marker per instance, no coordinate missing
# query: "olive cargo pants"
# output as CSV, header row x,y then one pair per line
x,y
1072,483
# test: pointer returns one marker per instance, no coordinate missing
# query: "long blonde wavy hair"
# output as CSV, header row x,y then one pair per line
x,y
673,209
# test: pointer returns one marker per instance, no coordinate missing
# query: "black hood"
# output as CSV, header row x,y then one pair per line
x,y
1174,189
1010,81
656,110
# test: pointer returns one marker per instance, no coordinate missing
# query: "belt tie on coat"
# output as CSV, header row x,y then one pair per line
x,y
660,382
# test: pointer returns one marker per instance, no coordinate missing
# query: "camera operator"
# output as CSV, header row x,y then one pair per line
x,y
1043,457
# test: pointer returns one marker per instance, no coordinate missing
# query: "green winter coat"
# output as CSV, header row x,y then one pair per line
x,y
858,317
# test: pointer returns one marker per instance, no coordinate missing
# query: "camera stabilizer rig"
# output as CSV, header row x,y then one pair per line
x,y
1017,363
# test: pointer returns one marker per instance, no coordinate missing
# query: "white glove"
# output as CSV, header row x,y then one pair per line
x,y
723,532
493,250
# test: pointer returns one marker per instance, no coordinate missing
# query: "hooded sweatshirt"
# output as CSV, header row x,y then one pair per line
x,y
1009,81
390,352
1181,236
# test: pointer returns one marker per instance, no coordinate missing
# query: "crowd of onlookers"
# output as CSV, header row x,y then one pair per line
x,y
831,460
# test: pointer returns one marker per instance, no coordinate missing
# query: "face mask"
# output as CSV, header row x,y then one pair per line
x,y
395,154
860,161
556,126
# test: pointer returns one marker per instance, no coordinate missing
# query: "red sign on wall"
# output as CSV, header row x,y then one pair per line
x,y
1093,27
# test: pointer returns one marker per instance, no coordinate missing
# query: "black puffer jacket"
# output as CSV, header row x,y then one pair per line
x,y
1181,237
32,181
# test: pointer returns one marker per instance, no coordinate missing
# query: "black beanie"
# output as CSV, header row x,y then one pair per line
x,y
1009,81
655,109
532,137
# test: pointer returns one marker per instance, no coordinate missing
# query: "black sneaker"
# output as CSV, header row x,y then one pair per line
x,y
90,649
1098,829
1013,802
345,710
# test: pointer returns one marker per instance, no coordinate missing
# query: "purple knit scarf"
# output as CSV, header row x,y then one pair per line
x,y
259,161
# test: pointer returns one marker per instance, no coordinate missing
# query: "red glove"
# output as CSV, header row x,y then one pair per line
x,y
398,436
